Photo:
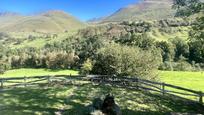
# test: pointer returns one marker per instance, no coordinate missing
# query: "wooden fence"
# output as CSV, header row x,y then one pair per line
x,y
125,82
36,80
141,84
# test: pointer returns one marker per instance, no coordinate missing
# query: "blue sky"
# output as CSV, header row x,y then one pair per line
x,y
82,9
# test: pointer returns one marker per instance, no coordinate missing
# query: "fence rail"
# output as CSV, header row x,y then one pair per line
x,y
136,83
125,82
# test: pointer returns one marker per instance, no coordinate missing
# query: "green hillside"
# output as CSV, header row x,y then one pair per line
x,y
15,40
144,10
47,22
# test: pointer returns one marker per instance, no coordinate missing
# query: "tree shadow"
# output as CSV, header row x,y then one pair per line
x,y
30,101
74,100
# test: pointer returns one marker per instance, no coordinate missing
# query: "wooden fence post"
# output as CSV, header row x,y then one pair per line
x,y
48,79
25,84
2,83
137,83
163,88
201,97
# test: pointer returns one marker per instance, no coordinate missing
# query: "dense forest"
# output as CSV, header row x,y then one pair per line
x,y
123,48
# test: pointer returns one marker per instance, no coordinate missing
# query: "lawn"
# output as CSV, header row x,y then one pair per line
x,y
36,72
190,80
75,99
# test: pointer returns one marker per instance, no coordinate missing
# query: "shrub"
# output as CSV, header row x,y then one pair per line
x,y
182,66
87,67
31,37
167,65
3,67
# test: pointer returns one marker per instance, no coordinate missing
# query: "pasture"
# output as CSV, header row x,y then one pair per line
x,y
190,80
36,72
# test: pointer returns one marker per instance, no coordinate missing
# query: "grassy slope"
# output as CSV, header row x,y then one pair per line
x,y
180,32
39,41
74,100
37,72
48,22
144,10
191,80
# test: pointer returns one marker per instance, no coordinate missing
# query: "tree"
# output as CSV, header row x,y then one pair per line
x,y
196,41
139,40
181,48
187,7
196,36
125,60
89,47
167,50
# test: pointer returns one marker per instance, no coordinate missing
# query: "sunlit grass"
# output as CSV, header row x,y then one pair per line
x,y
191,80
37,72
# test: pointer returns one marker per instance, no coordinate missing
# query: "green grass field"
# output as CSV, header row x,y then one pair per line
x,y
75,100
36,72
190,80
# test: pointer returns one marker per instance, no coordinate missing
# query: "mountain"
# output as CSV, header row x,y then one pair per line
x,y
144,10
96,20
47,22
6,13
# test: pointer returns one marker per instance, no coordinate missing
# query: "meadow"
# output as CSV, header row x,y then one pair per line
x,y
36,72
190,80
75,99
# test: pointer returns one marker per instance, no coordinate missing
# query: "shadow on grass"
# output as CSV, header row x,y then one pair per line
x,y
29,101
73,100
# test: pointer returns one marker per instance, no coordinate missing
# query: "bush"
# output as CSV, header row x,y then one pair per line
x,y
182,66
196,66
2,70
167,65
86,67
128,61
61,60
4,67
